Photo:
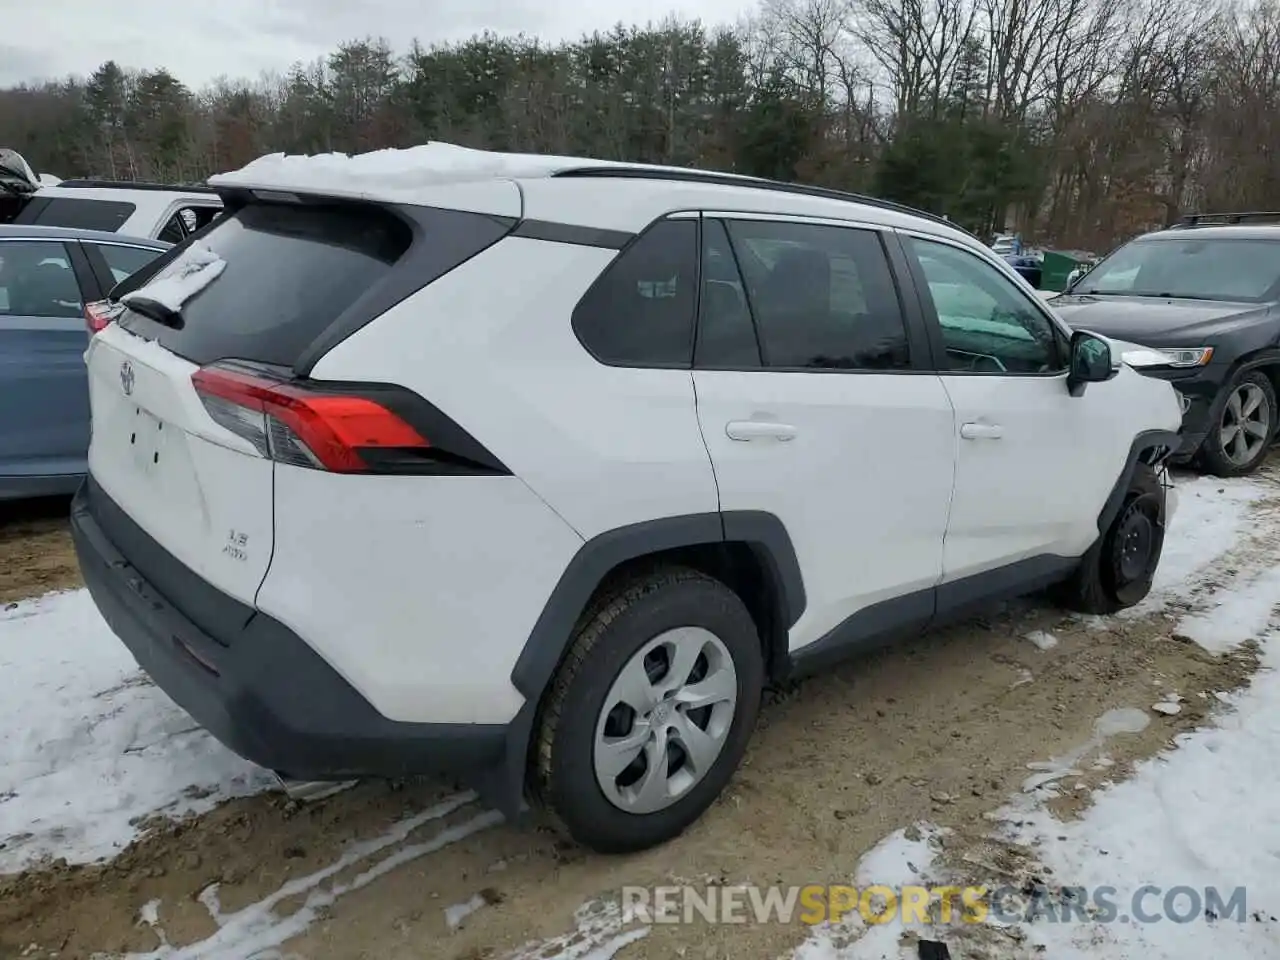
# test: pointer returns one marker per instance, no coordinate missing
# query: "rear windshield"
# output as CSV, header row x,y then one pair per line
x,y
290,272
109,215
294,272
1191,268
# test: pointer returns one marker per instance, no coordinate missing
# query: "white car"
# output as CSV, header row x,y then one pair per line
x,y
150,210
537,469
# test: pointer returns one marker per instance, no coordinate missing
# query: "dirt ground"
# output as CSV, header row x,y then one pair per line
x,y
940,729
35,549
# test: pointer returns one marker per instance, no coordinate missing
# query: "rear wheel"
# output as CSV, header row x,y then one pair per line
x,y
1117,571
651,711
1238,440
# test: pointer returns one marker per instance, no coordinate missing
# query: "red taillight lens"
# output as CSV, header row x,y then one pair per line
x,y
98,314
304,427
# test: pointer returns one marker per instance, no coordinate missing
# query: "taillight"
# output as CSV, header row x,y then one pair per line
x,y
309,427
99,313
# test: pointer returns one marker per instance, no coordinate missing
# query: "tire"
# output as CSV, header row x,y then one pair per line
x,y
1110,577
1250,433
631,629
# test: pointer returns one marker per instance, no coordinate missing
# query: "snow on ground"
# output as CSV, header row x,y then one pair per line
x,y
87,744
1241,615
1041,639
1211,515
903,858
1204,815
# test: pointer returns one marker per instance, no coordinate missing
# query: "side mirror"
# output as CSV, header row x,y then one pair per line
x,y
1090,361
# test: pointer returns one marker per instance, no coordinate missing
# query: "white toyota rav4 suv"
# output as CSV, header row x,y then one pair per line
x,y
536,470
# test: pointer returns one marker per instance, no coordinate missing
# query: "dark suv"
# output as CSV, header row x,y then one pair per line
x,y
1205,295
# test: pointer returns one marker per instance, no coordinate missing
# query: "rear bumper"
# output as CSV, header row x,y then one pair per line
x,y
250,681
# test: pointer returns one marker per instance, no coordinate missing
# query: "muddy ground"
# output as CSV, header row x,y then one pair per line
x,y
940,729
35,549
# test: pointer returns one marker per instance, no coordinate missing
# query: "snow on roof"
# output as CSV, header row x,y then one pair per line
x,y
394,169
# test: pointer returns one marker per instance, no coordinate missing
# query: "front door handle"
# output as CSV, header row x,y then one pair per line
x,y
759,430
981,431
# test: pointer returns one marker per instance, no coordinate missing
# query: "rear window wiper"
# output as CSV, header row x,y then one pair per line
x,y
155,310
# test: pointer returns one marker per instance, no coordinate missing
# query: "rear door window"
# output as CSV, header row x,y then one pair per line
x,y
76,213
123,261
36,280
822,296
292,270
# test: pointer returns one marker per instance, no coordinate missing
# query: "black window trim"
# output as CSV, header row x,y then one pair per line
x,y
746,296
919,346
934,327
603,276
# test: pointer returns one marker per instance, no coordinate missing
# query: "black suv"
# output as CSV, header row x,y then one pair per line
x,y
1205,295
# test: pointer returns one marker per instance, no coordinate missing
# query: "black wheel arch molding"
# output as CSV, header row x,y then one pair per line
x,y
1150,447
605,553
1267,356
762,533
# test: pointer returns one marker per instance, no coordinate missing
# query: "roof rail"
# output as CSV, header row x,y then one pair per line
x,y
86,182
759,183
1212,219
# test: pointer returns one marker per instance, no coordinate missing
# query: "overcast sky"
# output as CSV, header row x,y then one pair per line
x,y
198,40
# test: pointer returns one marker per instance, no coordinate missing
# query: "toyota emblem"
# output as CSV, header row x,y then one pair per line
x,y
126,378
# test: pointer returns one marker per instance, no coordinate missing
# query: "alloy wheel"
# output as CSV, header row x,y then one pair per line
x,y
665,720
1246,424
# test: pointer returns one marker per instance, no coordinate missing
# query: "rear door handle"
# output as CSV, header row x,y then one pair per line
x,y
981,431
759,430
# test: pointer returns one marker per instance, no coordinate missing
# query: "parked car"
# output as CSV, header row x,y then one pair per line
x,y
1029,268
49,280
1206,293
152,210
1007,244
537,469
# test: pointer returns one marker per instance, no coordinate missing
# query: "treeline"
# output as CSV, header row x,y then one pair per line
x,y
1076,121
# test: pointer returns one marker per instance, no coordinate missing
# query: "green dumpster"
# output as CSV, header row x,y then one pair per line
x,y
1058,265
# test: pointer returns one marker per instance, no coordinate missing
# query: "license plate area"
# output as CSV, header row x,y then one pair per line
x,y
147,442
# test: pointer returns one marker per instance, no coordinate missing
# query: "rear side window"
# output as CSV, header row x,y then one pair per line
x,y
124,261
822,296
639,312
109,215
293,270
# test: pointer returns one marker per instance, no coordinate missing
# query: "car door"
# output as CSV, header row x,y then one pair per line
x,y
1034,464
44,399
818,407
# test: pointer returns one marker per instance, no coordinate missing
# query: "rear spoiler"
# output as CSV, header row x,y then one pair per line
x,y
16,176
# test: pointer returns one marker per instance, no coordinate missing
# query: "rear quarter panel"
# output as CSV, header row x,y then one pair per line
x,y
491,344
